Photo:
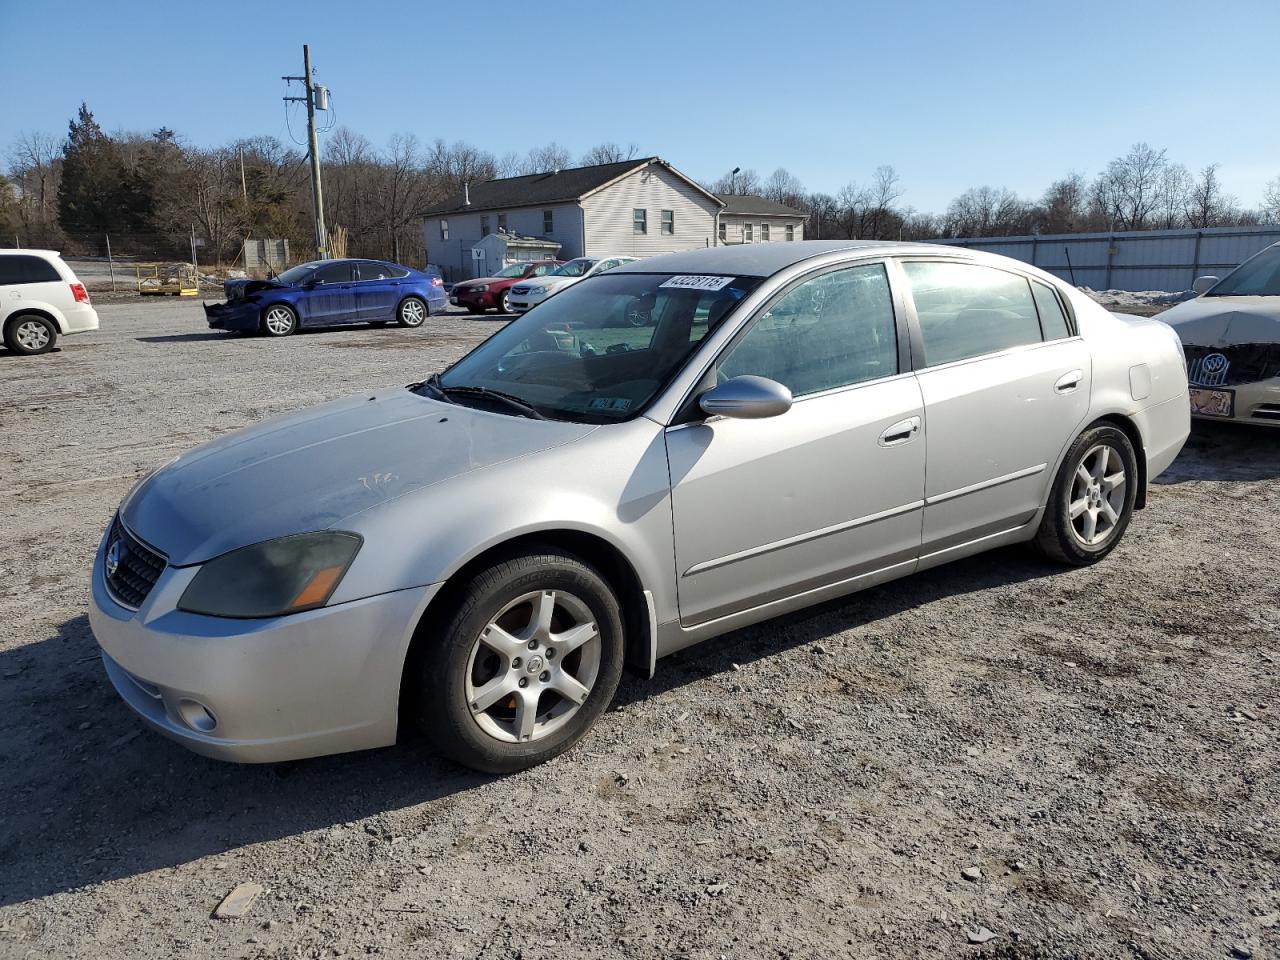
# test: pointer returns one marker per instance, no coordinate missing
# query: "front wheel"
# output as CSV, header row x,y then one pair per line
x,y
279,321
412,312
504,305
1092,498
526,663
30,334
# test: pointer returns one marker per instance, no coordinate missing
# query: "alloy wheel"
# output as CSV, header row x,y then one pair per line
x,y
412,313
533,666
1097,498
31,335
279,321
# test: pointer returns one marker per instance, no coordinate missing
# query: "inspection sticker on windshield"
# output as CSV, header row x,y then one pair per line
x,y
609,403
698,283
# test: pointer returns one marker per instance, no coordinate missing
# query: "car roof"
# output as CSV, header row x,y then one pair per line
x,y
766,259
29,251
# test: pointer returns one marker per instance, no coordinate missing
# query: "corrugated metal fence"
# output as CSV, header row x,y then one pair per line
x,y
1133,260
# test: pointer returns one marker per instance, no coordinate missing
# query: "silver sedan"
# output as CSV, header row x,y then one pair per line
x,y
660,454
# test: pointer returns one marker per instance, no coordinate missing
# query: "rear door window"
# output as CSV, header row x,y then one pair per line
x,y
967,310
371,270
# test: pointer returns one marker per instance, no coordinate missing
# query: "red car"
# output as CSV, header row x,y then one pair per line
x,y
485,293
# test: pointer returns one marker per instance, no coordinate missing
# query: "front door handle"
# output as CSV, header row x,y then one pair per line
x,y
1068,381
904,431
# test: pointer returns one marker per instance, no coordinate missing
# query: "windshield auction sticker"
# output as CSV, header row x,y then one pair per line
x,y
698,283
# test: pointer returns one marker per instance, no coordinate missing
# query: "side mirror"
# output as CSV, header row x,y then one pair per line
x,y
746,398
1203,283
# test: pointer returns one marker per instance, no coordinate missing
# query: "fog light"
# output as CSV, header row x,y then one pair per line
x,y
197,716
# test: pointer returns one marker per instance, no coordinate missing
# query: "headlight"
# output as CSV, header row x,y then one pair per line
x,y
480,288
541,289
273,578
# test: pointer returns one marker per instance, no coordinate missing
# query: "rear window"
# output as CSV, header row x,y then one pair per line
x,y
22,268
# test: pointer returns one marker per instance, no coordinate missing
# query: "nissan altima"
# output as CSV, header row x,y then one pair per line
x,y
481,553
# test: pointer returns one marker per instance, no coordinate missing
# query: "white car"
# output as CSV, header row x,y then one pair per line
x,y
525,296
41,299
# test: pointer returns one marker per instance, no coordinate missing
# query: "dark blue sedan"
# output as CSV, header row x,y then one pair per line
x,y
327,293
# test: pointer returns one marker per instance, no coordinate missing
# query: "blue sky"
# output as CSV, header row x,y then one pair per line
x,y
952,94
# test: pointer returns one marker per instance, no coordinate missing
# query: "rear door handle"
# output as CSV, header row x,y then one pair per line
x,y
1068,381
904,431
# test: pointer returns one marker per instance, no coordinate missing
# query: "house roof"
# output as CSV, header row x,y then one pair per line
x,y
540,189
756,206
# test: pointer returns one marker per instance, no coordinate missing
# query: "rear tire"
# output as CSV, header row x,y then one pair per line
x,y
412,312
30,334
489,685
279,320
1092,498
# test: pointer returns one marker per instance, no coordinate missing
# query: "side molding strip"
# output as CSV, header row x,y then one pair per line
x,y
995,482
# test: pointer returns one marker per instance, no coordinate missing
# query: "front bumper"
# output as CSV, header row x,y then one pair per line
x,y
1256,403
258,691
469,298
233,315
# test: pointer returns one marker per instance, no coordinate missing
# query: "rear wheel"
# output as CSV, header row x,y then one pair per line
x,y
529,659
1092,498
279,320
29,334
412,312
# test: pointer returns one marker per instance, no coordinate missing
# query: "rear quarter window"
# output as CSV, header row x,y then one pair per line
x,y
1052,320
18,268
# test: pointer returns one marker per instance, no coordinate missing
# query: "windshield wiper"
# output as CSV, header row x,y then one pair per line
x,y
515,403
432,384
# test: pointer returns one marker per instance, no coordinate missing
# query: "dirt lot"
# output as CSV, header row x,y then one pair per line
x,y
1099,745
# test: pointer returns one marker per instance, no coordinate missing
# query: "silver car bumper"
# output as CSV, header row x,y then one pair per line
x,y
259,691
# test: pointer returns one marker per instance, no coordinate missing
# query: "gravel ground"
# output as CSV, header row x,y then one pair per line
x,y
1080,763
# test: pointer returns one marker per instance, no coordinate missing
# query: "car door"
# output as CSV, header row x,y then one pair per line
x,y
830,491
331,298
377,290
1006,386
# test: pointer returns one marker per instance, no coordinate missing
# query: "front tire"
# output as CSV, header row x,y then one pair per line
x,y
412,312
1092,498
527,661
504,305
30,334
279,320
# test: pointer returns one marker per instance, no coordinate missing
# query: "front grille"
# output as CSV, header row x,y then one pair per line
x,y
520,291
1268,411
1227,366
137,566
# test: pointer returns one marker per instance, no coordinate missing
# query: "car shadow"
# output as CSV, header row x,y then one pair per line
x,y
1226,451
190,337
90,795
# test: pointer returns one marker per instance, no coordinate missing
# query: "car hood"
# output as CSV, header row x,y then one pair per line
x,y
1222,321
314,469
478,281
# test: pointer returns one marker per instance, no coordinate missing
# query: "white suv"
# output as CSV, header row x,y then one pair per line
x,y
40,300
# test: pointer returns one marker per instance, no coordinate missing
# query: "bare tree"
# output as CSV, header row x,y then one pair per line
x,y
1128,189
1173,192
1206,204
546,159
35,171
743,183
884,190
608,153
987,212
1271,200
1064,207
783,186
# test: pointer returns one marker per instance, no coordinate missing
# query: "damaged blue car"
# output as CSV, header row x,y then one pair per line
x,y
326,293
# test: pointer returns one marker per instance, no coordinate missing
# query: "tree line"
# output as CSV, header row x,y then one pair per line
x,y
152,194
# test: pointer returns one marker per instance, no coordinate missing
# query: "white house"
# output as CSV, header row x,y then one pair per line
x,y
751,219
635,208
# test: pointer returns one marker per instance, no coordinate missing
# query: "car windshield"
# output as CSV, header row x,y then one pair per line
x,y
295,274
600,351
1259,277
515,270
574,268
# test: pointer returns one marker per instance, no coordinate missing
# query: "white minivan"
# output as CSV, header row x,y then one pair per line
x,y
40,300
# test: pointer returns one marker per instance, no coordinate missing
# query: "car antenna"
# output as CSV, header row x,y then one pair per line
x,y
1070,270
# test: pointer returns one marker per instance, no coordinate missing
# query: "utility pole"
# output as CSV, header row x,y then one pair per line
x,y
313,147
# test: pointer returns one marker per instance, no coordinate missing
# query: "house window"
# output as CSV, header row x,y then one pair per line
x,y
444,229
484,226
502,221
548,221
764,233
639,221
668,221
724,232
746,233
791,231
